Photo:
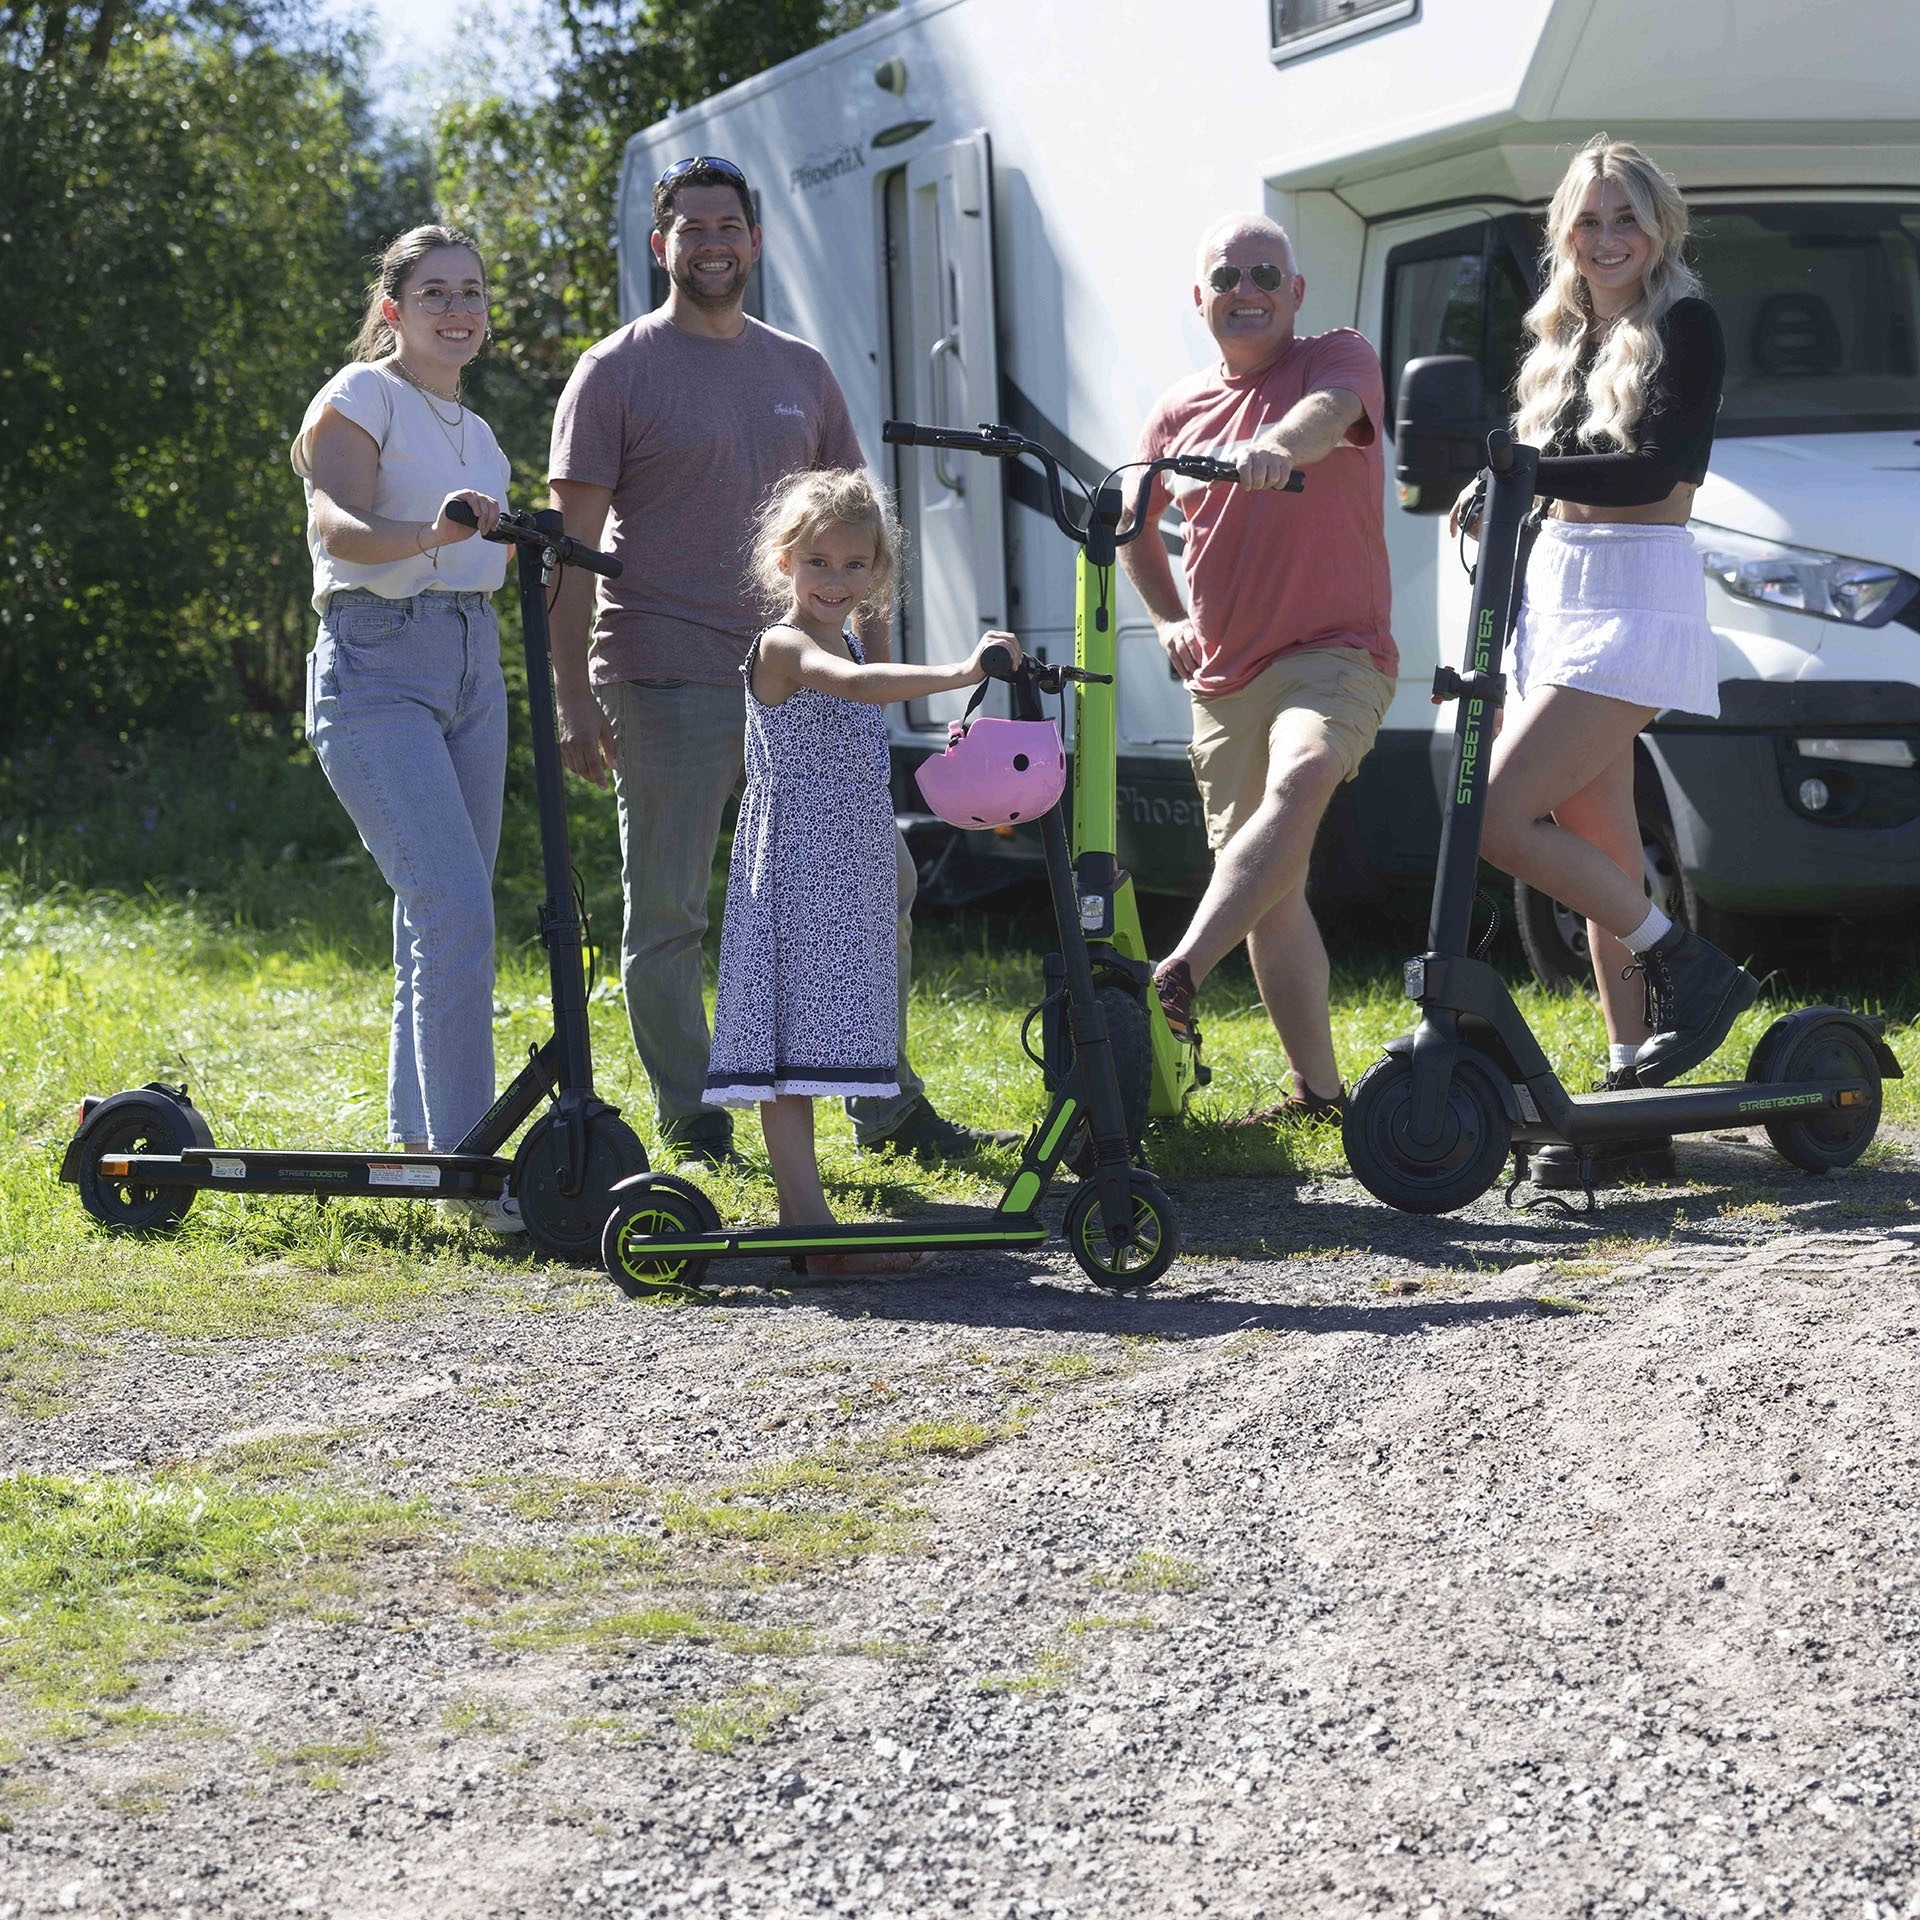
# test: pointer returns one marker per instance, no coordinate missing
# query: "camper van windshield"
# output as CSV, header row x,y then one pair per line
x,y
1820,304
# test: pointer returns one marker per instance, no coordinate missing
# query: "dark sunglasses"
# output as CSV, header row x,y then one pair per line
x,y
725,168
1266,276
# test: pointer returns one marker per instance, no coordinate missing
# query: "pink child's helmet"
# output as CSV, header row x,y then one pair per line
x,y
995,773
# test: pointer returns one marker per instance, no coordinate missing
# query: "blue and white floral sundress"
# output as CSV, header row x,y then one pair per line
x,y
808,998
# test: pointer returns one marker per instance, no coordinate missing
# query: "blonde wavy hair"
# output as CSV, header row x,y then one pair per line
x,y
1562,321
798,507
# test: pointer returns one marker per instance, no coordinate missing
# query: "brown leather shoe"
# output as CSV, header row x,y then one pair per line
x,y
1173,982
1300,1105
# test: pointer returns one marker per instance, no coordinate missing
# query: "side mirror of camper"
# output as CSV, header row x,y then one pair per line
x,y
1440,431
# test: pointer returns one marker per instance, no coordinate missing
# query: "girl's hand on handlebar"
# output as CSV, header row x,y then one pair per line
x,y
445,532
975,671
1465,512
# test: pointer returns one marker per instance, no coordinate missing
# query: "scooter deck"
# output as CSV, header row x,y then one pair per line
x,y
977,1227
380,1176
1592,1118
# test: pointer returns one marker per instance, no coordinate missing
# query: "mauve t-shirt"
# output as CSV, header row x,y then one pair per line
x,y
691,434
1271,572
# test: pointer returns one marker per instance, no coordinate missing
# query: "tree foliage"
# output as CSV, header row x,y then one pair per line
x,y
187,198
537,180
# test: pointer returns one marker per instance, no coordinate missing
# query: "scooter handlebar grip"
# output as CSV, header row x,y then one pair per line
x,y
459,510
900,433
997,663
1296,483
592,559
1500,450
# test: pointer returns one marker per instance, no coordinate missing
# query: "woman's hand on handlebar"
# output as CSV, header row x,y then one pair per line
x,y
975,670
1465,512
446,533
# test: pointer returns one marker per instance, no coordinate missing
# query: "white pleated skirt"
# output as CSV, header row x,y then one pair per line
x,y
1619,611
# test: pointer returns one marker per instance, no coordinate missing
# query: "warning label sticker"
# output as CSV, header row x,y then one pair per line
x,y
401,1173
228,1169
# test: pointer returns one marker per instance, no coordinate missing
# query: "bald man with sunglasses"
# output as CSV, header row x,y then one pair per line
x,y
1284,639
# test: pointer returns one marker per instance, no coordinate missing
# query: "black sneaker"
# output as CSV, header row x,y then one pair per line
x,y
700,1152
1645,1159
1694,995
927,1136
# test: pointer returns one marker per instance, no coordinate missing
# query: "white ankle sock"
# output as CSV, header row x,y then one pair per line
x,y
1620,1054
1647,932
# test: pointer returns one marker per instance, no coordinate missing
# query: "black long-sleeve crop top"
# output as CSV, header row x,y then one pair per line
x,y
1674,434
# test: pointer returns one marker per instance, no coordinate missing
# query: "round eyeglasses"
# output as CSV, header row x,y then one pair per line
x,y
444,300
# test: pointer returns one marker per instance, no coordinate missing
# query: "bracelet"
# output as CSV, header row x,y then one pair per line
x,y
420,544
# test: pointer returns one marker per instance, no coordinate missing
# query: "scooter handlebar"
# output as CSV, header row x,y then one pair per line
x,y
522,530
1201,466
997,664
1000,441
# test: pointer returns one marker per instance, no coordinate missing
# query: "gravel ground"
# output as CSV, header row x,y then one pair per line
x,y
1501,1564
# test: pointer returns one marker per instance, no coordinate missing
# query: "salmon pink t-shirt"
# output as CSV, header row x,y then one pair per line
x,y
1268,573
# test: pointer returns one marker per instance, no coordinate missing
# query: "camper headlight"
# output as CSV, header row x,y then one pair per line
x,y
1862,593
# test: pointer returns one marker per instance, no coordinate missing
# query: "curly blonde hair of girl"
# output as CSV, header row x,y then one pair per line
x,y
1562,321
799,506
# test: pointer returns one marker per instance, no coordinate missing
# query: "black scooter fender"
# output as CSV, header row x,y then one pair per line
x,y
97,1113
1779,1037
1402,1044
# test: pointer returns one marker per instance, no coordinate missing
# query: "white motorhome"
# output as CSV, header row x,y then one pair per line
x,y
985,210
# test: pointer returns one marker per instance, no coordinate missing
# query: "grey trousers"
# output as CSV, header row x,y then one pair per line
x,y
679,751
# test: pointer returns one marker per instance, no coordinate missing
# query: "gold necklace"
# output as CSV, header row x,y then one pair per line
x,y
445,425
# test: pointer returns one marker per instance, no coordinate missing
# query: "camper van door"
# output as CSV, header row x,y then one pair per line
x,y
946,373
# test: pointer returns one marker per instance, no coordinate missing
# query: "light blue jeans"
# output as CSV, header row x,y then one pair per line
x,y
679,750
407,714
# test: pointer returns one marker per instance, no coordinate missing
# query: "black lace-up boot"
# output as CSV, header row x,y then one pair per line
x,y
1645,1160
1694,995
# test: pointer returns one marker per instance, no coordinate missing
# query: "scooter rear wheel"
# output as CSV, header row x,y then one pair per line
x,y
144,1122
567,1226
1151,1251
1795,1048
1131,1045
649,1204
1418,1176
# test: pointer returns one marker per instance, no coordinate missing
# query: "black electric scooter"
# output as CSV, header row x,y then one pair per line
x,y
1119,1225
140,1157
1430,1125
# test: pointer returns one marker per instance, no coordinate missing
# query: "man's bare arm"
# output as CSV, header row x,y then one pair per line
x,y
1147,565
1312,427
586,739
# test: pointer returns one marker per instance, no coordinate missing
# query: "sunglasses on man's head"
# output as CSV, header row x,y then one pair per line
x,y
1266,276
725,168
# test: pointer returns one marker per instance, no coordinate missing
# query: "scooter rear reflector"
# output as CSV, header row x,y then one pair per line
x,y
114,1169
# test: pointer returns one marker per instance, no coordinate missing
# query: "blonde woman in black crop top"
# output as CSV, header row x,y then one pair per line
x,y
1620,391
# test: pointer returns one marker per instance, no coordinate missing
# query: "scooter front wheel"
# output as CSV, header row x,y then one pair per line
x,y
647,1205
1151,1251
562,1225
1797,1047
1419,1176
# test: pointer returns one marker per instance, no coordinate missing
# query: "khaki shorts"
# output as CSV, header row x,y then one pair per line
x,y
1333,697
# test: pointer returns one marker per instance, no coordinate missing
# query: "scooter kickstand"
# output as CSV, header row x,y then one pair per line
x,y
1519,1180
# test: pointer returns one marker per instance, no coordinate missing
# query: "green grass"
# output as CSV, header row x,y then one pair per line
x,y
744,1717
205,914
99,1574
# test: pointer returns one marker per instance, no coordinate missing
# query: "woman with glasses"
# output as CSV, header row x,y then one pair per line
x,y
406,709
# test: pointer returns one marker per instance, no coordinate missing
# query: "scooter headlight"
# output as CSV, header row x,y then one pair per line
x,y
1860,593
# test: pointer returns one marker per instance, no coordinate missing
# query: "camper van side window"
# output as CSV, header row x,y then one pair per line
x,y
1305,26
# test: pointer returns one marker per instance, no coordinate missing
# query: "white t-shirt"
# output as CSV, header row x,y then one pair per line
x,y
419,466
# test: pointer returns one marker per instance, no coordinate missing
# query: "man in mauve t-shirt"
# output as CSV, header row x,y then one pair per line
x,y
1285,642
669,435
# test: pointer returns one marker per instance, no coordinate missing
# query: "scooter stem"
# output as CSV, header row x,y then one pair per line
x,y
559,923
1480,690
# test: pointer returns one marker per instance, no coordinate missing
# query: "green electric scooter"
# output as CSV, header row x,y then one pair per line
x,y
1157,1070
1119,1225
